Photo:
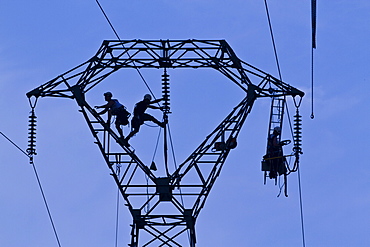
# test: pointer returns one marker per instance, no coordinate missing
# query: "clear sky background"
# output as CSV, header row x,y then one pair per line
x,y
43,39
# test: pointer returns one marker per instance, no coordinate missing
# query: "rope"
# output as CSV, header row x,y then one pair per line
x,y
146,176
175,163
147,194
117,214
172,147
40,186
152,126
281,186
289,120
156,145
118,170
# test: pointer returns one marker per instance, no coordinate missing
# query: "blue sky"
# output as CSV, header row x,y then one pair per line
x,y
43,39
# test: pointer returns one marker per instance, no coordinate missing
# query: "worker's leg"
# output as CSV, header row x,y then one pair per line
x,y
148,117
118,127
135,124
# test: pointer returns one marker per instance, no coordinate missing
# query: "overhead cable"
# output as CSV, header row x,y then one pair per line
x,y
115,32
273,40
46,203
301,207
40,186
277,63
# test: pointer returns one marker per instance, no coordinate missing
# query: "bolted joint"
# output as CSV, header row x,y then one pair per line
x,y
78,95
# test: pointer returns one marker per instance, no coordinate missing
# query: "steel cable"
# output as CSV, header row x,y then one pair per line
x,y
40,186
278,67
115,32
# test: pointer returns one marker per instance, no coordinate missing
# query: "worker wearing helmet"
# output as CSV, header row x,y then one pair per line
x,y
140,116
274,150
113,107
276,133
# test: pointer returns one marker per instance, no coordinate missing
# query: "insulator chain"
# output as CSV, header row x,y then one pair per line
x,y
166,92
297,133
32,134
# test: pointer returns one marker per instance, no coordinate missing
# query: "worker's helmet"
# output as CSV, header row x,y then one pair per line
x,y
109,94
277,129
148,97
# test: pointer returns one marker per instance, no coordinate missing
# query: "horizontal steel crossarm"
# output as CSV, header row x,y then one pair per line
x,y
53,88
86,74
158,54
114,55
270,86
215,54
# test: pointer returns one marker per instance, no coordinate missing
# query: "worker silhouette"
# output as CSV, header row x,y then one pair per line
x,y
113,107
275,153
140,116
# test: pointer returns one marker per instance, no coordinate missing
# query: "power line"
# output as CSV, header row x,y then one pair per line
x,y
39,183
273,40
46,204
278,67
106,17
301,207
14,144
115,32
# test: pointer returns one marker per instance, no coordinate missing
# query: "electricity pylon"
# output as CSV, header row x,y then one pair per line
x,y
164,209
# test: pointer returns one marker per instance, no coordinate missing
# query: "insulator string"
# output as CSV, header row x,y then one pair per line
x,y
31,150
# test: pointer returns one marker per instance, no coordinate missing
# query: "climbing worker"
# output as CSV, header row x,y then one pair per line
x,y
275,153
273,141
140,116
113,107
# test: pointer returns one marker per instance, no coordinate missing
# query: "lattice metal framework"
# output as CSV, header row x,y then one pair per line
x,y
181,194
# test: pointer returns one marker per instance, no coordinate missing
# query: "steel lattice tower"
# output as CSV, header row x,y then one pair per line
x,y
172,203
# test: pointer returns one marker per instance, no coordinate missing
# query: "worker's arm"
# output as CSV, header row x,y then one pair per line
x,y
109,114
103,111
156,101
153,102
106,107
